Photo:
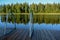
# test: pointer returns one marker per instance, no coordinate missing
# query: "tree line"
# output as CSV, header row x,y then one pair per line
x,y
25,8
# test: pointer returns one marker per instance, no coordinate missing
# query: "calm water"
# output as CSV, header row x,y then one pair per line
x,y
26,26
36,26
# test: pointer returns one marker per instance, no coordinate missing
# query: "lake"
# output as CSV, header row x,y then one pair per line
x,y
6,26
36,26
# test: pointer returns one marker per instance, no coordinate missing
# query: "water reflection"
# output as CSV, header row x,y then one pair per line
x,y
22,21
36,26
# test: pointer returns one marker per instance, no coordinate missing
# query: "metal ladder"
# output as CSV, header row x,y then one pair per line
x,y
7,21
31,25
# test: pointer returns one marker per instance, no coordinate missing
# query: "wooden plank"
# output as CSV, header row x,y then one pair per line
x,y
47,35
12,36
39,35
43,35
25,36
15,36
50,34
34,37
4,37
21,35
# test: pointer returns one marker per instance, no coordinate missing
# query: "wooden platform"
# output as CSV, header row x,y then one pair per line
x,y
23,34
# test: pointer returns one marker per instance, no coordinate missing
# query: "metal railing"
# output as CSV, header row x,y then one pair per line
x,y
5,27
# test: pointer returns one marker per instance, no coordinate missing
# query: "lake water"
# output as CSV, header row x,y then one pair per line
x,y
26,26
36,26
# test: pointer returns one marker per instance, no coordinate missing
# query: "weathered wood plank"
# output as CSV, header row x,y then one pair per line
x,y
15,36
50,34
21,35
37,35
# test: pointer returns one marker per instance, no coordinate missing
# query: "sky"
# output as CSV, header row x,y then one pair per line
x,y
28,1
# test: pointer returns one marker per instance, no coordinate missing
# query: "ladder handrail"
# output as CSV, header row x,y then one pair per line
x,y
7,20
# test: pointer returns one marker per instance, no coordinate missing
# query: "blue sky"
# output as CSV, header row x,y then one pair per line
x,y
28,1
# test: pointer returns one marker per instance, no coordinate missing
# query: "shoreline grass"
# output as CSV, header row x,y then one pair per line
x,y
33,13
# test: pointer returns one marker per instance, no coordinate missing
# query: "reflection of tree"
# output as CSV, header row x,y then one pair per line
x,y
17,18
59,19
9,18
41,19
56,19
36,19
52,20
3,18
46,19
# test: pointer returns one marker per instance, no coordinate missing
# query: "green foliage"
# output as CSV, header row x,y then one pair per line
x,y
41,8
25,8
34,8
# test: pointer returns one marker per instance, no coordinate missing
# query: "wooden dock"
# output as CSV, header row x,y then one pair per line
x,y
23,34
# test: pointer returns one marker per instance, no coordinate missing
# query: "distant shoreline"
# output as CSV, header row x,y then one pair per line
x,y
33,13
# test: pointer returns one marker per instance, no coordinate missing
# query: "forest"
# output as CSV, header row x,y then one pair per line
x,y
25,8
